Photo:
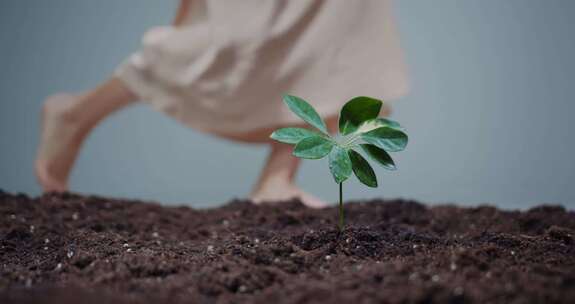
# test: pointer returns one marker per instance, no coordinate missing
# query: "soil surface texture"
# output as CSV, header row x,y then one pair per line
x,y
67,248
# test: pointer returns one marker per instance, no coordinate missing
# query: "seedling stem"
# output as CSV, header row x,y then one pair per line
x,y
341,221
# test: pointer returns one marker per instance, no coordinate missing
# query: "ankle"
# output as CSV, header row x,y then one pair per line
x,y
273,182
61,109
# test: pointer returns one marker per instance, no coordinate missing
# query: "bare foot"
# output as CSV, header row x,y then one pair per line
x,y
61,138
285,192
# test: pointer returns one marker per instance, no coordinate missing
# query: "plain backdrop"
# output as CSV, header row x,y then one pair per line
x,y
490,114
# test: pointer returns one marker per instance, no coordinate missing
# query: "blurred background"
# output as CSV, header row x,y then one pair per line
x,y
490,113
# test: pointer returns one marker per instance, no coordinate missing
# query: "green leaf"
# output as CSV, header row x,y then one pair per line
x,y
362,169
314,147
357,111
305,111
379,122
379,155
386,138
339,164
390,123
292,135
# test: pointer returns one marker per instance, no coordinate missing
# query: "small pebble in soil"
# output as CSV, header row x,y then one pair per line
x,y
129,250
70,254
226,223
210,249
256,241
328,257
458,291
488,275
155,234
12,216
277,260
32,228
58,266
45,248
75,216
512,252
453,266
47,241
242,289
126,245
435,278
415,246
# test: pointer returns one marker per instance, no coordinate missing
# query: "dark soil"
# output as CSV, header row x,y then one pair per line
x,y
76,249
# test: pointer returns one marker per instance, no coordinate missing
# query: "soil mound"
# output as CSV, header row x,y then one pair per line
x,y
68,248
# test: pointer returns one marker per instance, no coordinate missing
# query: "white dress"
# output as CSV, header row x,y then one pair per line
x,y
226,68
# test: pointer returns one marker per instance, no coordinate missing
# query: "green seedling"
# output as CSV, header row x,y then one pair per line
x,y
360,129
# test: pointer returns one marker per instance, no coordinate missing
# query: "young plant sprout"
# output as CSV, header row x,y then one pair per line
x,y
360,128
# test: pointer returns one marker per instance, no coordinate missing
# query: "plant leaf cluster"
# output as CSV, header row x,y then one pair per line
x,y
360,130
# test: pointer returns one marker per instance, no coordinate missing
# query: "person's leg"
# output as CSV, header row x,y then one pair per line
x,y
276,181
66,121
277,178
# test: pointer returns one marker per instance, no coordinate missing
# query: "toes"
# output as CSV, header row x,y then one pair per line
x,y
288,193
313,202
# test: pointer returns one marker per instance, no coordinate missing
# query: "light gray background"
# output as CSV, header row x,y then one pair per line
x,y
490,114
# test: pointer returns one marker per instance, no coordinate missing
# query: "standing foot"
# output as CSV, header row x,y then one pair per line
x,y
60,141
271,195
